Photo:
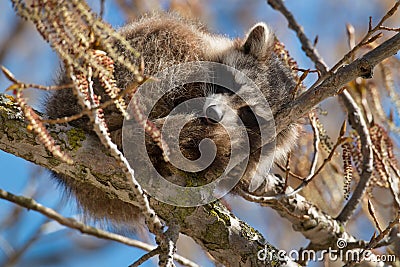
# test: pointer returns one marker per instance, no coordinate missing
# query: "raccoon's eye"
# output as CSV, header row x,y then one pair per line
x,y
248,117
214,114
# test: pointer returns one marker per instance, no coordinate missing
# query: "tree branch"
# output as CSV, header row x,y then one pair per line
x,y
306,45
321,229
356,118
362,67
229,240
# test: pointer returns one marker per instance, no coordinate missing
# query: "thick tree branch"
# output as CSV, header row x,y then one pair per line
x,y
224,236
229,240
362,67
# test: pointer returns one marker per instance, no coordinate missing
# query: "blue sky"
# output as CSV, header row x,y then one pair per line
x,y
34,61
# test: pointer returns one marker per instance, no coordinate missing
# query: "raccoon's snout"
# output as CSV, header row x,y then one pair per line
x,y
214,114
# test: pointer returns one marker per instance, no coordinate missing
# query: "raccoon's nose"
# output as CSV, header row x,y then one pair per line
x,y
214,114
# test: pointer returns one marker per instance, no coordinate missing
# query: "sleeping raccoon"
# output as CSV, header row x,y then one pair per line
x,y
164,40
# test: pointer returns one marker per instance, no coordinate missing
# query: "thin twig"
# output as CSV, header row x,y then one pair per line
x,y
375,241
69,222
102,8
389,29
146,257
366,37
372,212
294,175
21,85
306,45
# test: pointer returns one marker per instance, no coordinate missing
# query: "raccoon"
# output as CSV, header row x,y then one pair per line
x,y
164,40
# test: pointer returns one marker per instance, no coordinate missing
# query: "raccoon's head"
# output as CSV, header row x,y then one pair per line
x,y
240,101
253,57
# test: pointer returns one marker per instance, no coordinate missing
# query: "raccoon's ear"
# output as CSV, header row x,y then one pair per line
x,y
259,41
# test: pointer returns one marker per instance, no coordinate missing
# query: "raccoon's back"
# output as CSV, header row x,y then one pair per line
x,y
163,40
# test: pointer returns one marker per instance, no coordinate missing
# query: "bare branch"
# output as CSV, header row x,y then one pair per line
x,y
362,67
375,241
367,37
372,212
321,229
330,85
389,29
307,46
146,257
74,224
